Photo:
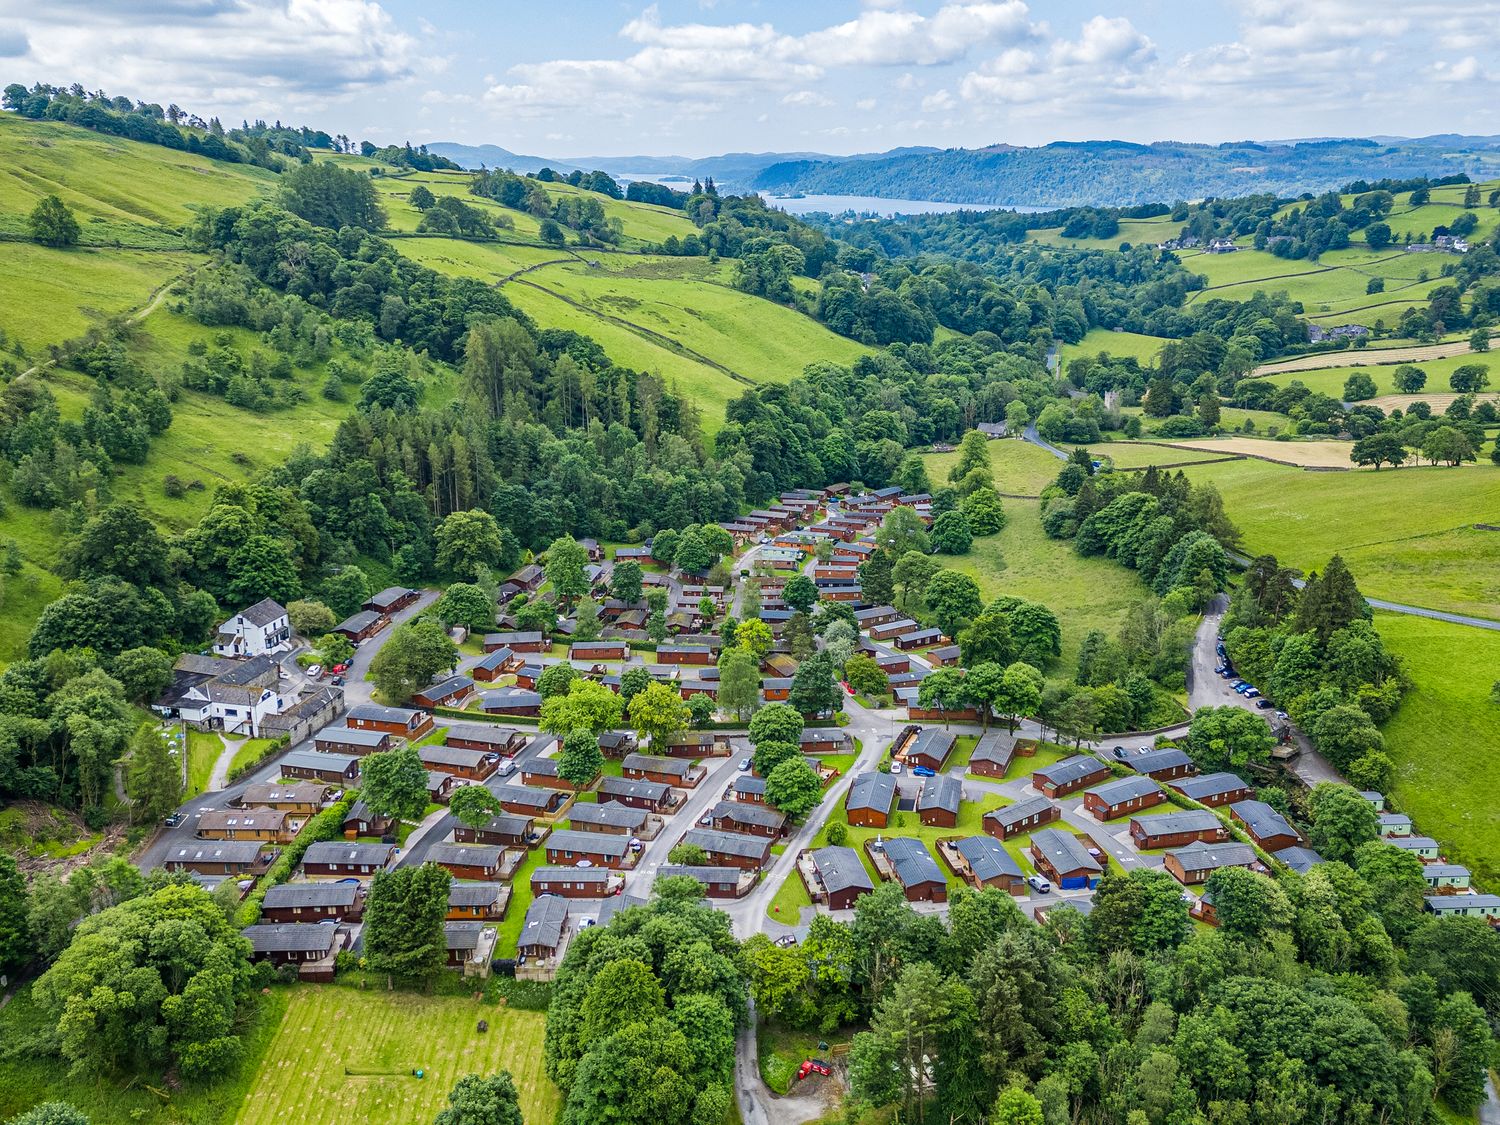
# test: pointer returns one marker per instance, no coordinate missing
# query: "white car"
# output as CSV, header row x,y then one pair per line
x,y
1038,884
895,767
505,768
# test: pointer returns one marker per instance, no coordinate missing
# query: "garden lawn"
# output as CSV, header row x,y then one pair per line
x,y
1444,735
1019,467
381,1037
204,749
509,929
250,750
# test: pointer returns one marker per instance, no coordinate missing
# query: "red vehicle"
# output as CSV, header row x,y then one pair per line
x,y
813,1066
340,668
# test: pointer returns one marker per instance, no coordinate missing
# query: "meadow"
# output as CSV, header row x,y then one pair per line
x,y
1330,380
1097,340
346,1054
1020,468
1407,533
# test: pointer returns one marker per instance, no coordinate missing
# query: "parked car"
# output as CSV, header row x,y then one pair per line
x,y
1038,884
1119,752
923,771
337,681
315,672
895,767
1264,704
173,820
1252,693
505,768
706,819
744,764
342,667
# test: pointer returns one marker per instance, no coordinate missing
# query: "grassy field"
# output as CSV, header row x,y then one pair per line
x,y
381,1037
1129,455
1406,533
1019,467
204,749
1322,454
1143,348
1443,737
1330,380
1085,593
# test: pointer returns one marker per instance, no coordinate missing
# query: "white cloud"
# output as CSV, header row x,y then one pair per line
x,y
864,105
808,99
938,102
906,38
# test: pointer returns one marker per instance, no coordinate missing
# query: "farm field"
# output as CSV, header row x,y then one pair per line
x,y
1443,736
1319,454
1143,348
344,1054
1407,533
1137,455
1330,380
1378,353
1019,466
488,261
1133,231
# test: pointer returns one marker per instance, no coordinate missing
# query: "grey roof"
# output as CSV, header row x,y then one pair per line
x,y
1189,820
748,812
357,622
616,903
1210,857
933,743
541,767
1392,818
1064,851
494,661
994,747
702,873
545,919
218,851
1300,859
291,937
1452,904
360,810
1124,789
913,862
470,855
1439,870
595,843
263,612
530,637
610,813
1261,820
677,767
1165,759
840,869
462,935
871,791
311,894
245,672
988,858
1071,769
820,734
1021,810
512,824
351,735
633,787
1412,843
463,893
940,792
747,784
374,712
529,795
275,793
264,819
448,686
728,843
571,874
452,755
511,697
342,851
1208,785
481,732
611,738
389,596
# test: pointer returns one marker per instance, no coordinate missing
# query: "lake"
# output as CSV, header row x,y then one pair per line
x,y
875,205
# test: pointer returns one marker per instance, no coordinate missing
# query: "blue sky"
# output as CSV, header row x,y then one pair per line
x,y
697,77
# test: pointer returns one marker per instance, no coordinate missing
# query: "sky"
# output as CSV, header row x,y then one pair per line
x,y
702,77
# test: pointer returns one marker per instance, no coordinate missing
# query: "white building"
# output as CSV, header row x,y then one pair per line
x,y
236,701
262,628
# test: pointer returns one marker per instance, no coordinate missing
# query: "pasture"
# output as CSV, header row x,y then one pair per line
x,y
1407,533
1330,380
1143,348
1020,467
343,1054
1316,454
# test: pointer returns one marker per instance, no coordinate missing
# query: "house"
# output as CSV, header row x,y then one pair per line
x,y
947,656
1266,826
484,902
985,862
312,902
1221,246
869,800
599,650
351,742
1214,789
1069,775
749,818
1299,859
402,721
684,654
871,616
527,642
748,788
993,754
511,701
920,638
506,830
493,665
617,743
361,820
824,740
339,769
890,630
938,801
545,927
341,859
226,857
695,744
653,796
302,797
1064,859
1196,862
1377,800
262,628
468,861
776,689
1393,824
1178,829
471,765
361,626
572,882
930,748
391,600
1465,906
1020,818
291,944
440,786
734,849
237,696
914,868
566,847
1162,765
717,882
1446,878
668,771
611,818
505,742
272,826
453,692
1122,796
525,800
1424,848
529,578
469,947
837,877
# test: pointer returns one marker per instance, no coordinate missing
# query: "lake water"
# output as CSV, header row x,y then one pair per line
x,y
875,205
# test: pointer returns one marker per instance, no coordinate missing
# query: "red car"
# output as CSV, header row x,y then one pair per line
x,y
813,1066
340,668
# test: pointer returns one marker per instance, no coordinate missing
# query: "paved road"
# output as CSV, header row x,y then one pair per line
x,y
1031,435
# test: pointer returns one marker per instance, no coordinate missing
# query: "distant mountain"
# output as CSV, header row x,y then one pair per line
x,y
1119,173
493,156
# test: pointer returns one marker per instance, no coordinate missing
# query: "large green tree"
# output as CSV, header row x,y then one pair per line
x,y
412,655
394,783
153,779
52,223
482,1099
327,194
403,923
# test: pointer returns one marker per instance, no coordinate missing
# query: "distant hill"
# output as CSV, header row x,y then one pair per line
x,y
1117,173
493,156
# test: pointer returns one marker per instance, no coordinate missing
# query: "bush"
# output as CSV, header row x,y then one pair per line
x,y
1180,426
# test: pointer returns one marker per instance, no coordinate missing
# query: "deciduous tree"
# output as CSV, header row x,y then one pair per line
x,y
403,927
394,783
793,787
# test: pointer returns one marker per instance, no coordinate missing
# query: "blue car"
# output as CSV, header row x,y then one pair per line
x,y
923,771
